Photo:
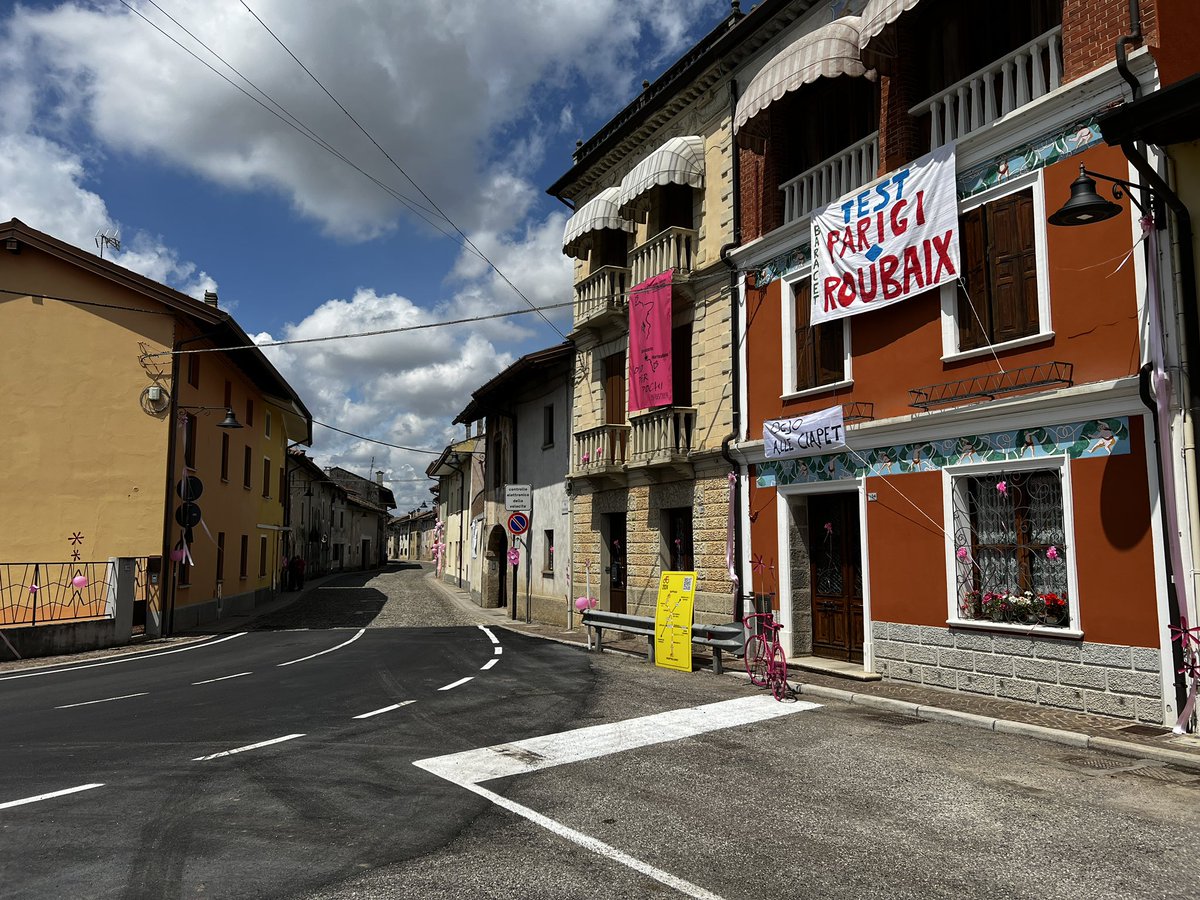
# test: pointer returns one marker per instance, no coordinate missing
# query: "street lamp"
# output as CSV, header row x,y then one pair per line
x,y
230,420
1085,206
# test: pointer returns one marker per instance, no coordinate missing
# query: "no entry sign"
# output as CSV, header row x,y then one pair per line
x,y
518,523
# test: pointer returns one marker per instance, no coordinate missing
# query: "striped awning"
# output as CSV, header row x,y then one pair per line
x,y
679,161
877,36
828,52
598,213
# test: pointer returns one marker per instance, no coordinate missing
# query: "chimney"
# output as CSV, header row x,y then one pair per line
x,y
379,476
210,297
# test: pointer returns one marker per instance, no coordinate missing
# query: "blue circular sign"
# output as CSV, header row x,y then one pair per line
x,y
518,523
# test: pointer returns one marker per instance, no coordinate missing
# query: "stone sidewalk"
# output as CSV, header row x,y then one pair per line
x,y
1101,734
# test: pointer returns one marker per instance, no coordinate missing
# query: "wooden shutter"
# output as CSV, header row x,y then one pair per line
x,y
974,265
614,389
831,352
681,365
1013,266
806,354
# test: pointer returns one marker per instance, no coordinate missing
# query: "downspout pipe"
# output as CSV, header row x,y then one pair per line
x,y
735,354
1134,37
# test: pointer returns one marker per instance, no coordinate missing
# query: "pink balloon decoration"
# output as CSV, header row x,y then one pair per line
x,y
178,554
963,553
514,556
79,581
584,603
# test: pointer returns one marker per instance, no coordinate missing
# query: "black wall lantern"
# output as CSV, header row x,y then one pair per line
x,y
1085,206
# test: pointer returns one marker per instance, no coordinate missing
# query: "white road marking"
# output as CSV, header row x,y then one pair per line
x,y
222,678
278,740
124,659
105,700
498,650
519,757
487,665
488,632
361,631
596,846
376,712
455,684
469,768
74,790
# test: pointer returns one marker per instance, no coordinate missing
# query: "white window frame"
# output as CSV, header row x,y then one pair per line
x,y
267,420
949,292
953,481
788,312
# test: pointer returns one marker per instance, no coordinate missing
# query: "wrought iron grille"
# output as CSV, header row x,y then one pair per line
x,y
1011,548
39,593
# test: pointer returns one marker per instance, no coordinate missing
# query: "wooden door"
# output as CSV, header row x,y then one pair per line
x,y
616,569
614,389
836,561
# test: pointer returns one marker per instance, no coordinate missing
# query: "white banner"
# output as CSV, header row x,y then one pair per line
x,y
807,435
889,241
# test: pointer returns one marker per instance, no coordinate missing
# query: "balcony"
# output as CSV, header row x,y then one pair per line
x,y
602,297
662,437
831,179
600,452
674,248
1026,74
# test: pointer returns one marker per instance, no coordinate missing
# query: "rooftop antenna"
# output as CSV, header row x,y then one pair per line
x,y
108,237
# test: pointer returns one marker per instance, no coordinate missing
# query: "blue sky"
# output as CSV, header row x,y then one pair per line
x,y
104,122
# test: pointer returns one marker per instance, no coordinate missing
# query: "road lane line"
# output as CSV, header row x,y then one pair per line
x,y
376,712
278,740
498,650
596,846
105,700
361,631
455,684
124,659
519,757
222,678
488,632
62,793
487,665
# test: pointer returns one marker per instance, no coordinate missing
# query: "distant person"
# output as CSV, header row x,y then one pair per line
x,y
297,567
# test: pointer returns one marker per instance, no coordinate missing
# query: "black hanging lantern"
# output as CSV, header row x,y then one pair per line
x,y
1085,206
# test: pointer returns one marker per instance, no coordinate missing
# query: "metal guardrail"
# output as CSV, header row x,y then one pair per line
x,y
729,637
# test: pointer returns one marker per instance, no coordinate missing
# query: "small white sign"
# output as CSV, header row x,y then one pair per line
x,y
819,432
518,497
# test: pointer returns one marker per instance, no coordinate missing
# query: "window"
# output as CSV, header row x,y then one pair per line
x,y
193,373
282,483
245,556
548,426
262,555
1003,294
609,247
220,556
267,422
224,456
266,487
246,469
548,559
342,519
681,365
815,356
189,440
249,412
614,389
1010,547
680,557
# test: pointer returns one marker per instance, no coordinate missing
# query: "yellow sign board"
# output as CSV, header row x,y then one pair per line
x,y
673,621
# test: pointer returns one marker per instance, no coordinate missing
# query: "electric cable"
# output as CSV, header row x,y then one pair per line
x,y
363,437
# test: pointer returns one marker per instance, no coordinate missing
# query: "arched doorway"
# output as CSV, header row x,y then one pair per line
x,y
494,594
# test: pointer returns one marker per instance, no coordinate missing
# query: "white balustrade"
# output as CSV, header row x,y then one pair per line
x,y
673,248
598,449
828,180
661,435
605,290
1028,73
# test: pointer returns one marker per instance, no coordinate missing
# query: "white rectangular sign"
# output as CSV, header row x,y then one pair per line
x,y
518,497
884,243
807,435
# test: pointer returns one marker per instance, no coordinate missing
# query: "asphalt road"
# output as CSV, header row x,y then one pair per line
x,y
830,801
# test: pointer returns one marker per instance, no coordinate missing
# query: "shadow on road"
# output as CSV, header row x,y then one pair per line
x,y
344,601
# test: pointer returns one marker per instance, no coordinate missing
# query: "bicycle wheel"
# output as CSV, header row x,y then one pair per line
x,y
779,672
757,659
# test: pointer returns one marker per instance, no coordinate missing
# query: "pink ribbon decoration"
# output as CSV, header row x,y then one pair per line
x,y
729,532
514,556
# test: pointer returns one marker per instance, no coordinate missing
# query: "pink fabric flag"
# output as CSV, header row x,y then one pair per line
x,y
650,343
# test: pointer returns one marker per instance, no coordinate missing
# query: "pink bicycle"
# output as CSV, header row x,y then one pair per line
x,y
765,660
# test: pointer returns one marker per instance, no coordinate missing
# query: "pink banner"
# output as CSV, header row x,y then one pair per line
x,y
650,343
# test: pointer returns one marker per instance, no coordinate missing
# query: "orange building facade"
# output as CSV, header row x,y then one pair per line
x,y
993,522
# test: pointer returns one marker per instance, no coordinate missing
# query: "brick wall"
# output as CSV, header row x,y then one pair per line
x,y
1091,29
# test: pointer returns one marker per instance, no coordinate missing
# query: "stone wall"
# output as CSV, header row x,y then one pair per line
x,y
1108,679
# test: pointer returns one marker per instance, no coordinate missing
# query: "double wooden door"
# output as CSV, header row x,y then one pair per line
x,y
617,567
835,554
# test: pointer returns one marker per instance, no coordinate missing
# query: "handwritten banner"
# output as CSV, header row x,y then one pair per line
x,y
887,242
650,342
806,435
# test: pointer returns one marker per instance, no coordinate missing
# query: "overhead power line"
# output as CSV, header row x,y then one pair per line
x,y
376,441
